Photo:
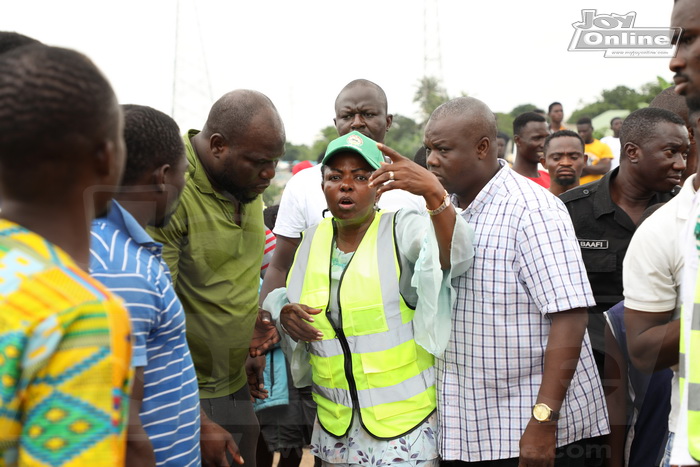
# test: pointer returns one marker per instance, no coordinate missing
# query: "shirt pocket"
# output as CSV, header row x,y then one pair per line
x,y
499,268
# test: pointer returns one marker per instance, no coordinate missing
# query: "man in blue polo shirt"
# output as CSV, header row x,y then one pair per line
x,y
165,397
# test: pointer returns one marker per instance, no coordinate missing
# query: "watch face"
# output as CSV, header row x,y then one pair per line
x,y
541,412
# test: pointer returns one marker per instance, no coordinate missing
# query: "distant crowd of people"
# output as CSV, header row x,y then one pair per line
x,y
448,309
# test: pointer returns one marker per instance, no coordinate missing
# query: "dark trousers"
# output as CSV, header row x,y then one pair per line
x,y
571,455
235,414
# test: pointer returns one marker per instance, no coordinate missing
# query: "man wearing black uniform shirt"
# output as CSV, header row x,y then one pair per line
x,y
606,213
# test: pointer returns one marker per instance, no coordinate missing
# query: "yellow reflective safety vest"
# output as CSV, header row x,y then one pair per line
x,y
369,361
691,374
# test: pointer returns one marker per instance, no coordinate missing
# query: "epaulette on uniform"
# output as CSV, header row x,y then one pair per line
x,y
576,193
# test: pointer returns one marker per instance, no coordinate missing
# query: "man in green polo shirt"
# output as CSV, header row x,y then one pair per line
x,y
214,246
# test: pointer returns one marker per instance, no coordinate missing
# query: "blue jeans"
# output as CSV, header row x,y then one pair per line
x,y
666,460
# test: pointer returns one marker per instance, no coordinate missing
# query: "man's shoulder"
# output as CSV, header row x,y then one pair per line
x,y
110,241
582,192
25,275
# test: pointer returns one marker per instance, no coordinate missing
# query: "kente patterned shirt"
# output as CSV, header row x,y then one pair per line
x,y
64,358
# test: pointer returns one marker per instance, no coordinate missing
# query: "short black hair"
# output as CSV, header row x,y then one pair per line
x,y
55,107
538,111
152,140
639,126
421,156
502,135
584,121
561,133
11,40
613,119
549,109
523,119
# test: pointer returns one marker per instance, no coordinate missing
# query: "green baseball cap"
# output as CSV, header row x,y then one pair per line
x,y
359,143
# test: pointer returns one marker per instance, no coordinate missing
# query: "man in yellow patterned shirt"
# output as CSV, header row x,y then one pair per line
x,y
64,339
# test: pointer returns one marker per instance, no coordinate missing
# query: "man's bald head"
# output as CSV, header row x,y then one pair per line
x,y
460,138
232,115
365,83
480,121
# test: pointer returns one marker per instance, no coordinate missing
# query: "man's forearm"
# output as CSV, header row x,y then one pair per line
x,y
601,168
562,355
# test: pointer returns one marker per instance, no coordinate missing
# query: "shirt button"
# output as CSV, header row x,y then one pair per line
x,y
585,192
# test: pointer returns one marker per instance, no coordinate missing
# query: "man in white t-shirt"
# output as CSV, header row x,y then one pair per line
x,y
360,106
614,141
655,265
652,273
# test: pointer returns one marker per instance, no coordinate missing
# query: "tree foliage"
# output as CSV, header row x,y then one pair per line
x,y
621,97
521,109
429,95
405,136
505,122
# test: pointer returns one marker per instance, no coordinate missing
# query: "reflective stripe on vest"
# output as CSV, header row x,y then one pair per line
x,y
690,379
370,362
373,396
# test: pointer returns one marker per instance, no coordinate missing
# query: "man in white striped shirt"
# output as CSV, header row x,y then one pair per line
x,y
164,419
517,384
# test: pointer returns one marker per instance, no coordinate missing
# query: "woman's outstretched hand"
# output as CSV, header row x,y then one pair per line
x,y
295,319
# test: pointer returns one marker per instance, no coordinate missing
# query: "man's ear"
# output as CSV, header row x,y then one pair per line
x,y
516,139
691,135
159,177
217,144
105,159
389,121
632,152
483,147
103,153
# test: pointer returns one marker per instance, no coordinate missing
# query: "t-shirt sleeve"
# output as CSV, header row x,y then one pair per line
x,y
605,151
550,263
290,218
647,271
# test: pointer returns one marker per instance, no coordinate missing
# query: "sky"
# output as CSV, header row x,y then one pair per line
x,y
179,56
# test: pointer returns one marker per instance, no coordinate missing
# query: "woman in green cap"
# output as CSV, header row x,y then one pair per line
x,y
369,295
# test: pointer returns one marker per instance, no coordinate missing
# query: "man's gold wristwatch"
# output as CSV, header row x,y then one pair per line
x,y
543,413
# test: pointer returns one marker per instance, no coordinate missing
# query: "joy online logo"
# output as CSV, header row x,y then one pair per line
x,y
617,36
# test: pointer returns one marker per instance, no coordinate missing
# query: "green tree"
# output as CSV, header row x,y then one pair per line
x,y
405,136
294,152
429,95
622,97
521,109
326,135
505,123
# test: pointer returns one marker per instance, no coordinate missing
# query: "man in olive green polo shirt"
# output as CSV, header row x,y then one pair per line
x,y
214,245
